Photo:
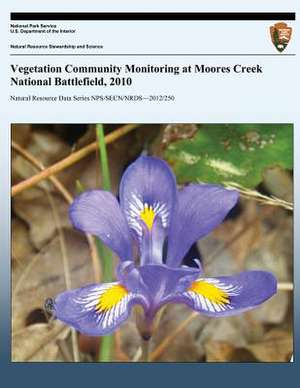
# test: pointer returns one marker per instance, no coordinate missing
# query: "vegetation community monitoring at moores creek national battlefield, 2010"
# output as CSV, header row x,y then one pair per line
x,y
91,72
134,69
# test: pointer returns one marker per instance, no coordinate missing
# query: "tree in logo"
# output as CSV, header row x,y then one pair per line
x,y
280,35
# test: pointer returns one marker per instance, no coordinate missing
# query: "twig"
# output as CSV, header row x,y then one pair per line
x,y
24,274
68,197
38,164
70,160
67,272
285,286
49,339
137,355
253,194
64,350
165,343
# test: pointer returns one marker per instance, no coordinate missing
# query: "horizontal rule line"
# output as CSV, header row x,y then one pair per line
x,y
153,55
230,16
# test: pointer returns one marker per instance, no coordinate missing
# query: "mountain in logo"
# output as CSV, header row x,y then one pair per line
x,y
280,35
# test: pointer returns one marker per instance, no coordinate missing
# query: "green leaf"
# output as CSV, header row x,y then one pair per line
x,y
238,153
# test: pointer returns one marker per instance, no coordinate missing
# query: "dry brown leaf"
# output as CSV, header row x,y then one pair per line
x,y
20,133
183,347
45,277
274,255
222,351
236,330
249,233
38,342
218,351
279,183
21,245
47,147
276,347
38,215
130,338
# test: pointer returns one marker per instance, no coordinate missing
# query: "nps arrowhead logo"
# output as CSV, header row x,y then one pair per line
x,y
280,35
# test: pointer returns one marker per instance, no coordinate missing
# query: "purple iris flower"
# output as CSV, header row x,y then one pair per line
x,y
158,224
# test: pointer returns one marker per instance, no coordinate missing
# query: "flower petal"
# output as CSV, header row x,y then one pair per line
x,y
162,281
147,196
199,210
229,295
98,212
96,309
157,283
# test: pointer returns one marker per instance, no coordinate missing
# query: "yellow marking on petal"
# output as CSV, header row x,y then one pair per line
x,y
209,291
148,215
111,297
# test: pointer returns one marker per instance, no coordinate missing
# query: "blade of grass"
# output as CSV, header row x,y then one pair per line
x,y
264,199
107,342
104,167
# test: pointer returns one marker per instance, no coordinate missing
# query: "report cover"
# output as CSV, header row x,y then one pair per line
x,y
149,165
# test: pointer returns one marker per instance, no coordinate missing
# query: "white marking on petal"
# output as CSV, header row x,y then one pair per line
x,y
203,303
210,306
216,306
136,207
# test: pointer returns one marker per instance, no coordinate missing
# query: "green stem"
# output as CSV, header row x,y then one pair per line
x,y
145,345
104,167
105,350
107,261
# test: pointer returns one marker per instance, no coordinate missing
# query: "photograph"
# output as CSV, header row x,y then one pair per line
x,y
160,243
